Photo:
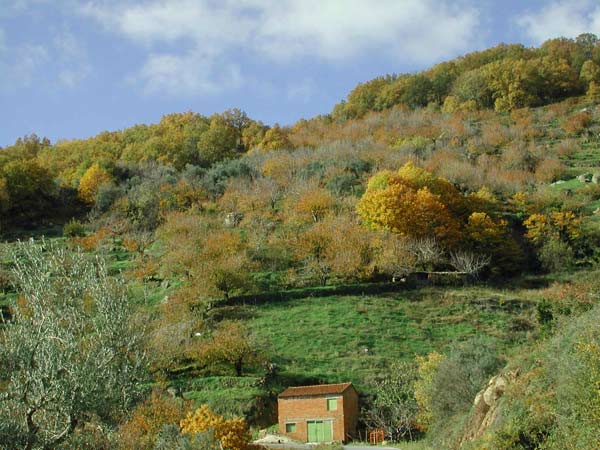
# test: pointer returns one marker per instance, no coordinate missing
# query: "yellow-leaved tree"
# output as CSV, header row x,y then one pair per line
x,y
413,203
427,366
275,139
90,183
231,433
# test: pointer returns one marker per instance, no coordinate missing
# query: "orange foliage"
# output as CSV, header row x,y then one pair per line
x,y
93,241
576,123
141,430
314,204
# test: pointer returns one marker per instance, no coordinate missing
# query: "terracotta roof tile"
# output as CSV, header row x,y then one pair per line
x,y
316,390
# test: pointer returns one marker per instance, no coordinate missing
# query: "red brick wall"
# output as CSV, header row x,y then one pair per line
x,y
300,409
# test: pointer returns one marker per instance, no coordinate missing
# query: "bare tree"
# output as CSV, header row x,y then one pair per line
x,y
468,262
427,251
71,352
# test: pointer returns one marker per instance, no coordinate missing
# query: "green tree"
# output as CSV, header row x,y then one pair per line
x,y
217,143
393,407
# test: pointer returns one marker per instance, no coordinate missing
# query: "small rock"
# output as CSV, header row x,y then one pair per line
x,y
233,219
596,178
584,178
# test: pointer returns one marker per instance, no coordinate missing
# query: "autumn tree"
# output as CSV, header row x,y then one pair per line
x,y
275,138
90,183
142,429
490,242
232,344
405,204
218,143
427,366
314,204
393,407
231,433
27,189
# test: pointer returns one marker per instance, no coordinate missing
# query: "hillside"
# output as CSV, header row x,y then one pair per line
x,y
436,229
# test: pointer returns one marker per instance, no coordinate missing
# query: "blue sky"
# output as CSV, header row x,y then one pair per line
x,y
74,68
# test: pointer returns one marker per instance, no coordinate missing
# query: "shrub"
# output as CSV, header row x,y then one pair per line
x,y
142,430
73,228
555,255
107,194
171,438
231,433
461,375
576,123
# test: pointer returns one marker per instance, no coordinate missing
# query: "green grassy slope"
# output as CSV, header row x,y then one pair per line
x,y
341,338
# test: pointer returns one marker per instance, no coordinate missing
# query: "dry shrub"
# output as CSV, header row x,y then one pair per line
x,y
559,109
93,241
577,122
549,170
524,126
495,134
518,157
566,148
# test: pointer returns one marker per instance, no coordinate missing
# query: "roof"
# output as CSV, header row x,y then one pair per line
x,y
315,390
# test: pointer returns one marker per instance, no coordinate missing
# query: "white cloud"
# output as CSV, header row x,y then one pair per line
x,y
19,67
71,58
567,18
197,35
61,60
191,73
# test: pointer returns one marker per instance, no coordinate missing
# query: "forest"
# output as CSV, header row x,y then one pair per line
x,y
161,284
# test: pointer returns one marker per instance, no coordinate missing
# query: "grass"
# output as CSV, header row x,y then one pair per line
x,y
341,338
230,396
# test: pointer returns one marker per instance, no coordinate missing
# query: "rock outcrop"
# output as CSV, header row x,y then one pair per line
x,y
485,406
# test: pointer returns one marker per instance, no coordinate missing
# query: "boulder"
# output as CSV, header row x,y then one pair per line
x,y
584,178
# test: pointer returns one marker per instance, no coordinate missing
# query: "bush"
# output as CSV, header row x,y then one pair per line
x,y
556,255
577,122
107,195
232,433
461,376
74,228
171,438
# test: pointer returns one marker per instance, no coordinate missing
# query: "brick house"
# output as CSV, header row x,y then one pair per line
x,y
321,413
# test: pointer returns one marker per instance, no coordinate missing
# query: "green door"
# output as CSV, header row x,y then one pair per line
x,y
319,431
312,431
327,431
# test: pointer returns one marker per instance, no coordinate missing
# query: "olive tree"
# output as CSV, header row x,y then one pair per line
x,y
71,354
393,407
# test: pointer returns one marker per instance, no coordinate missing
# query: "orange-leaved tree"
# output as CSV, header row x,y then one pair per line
x,y
231,344
148,419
